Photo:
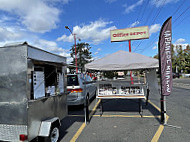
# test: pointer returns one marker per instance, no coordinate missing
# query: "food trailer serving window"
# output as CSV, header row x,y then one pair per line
x,y
47,80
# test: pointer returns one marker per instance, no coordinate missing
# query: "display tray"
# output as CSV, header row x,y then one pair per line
x,y
113,89
121,97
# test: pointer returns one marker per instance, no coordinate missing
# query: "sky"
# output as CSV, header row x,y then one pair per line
x,y
42,23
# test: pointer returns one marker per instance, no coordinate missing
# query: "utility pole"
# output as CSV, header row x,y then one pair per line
x,y
130,71
74,35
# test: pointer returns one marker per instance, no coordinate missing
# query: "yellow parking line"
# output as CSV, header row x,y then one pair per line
x,y
77,134
129,116
95,107
161,127
75,137
154,106
154,139
159,131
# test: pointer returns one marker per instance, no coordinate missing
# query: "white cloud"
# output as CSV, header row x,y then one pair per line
x,y
95,53
36,15
52,47
66,38
99,49
130,8
13,34
95,32
155,47
154,28
55,1
5,18
180,41
159,3
8,33
134,24
110,1
65,1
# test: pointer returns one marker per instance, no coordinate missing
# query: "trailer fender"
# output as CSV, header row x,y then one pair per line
x,y
46,126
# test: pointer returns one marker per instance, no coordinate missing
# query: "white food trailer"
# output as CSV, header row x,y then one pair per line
x,y
32,93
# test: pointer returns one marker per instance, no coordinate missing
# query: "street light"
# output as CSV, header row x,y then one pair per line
x,y
74,35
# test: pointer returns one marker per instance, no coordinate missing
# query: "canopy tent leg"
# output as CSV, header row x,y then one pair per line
x,y
101,107
140,107
86,112
147,96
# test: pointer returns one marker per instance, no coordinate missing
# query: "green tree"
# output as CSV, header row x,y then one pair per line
x,y
174,57
156,56
83,55
187,59
180,58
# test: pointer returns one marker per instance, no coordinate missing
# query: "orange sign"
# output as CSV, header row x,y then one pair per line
x,y
129,34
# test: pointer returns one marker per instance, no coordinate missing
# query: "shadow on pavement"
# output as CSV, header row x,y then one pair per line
x,y
68,121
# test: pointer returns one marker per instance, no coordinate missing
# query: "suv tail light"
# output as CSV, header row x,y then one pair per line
x,y
23,137
78,90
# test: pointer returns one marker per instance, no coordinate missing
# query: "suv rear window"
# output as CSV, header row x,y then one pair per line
x,y
72,80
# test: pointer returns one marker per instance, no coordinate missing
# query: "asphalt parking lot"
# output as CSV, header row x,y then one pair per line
x,y
121,121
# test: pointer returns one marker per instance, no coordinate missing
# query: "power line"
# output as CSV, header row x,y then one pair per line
x,y
182,14
178,7
178,10
173,22
154,18
138,45
159,11
148,44
182,20
150,13
142,14
153,41
144,9
138,14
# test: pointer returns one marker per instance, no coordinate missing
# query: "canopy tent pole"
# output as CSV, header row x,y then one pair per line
x,y
130,71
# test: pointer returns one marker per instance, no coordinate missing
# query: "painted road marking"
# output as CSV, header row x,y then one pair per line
x,y
95,107
77,134
154,139
129,116
161,127
154,106
159,131
75,137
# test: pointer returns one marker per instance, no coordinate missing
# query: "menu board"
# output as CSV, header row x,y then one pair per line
x,y
38,84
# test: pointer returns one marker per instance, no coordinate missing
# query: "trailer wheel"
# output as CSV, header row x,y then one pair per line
x,y
53,136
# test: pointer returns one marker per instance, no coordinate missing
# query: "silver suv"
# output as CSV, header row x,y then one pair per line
x,y
81,87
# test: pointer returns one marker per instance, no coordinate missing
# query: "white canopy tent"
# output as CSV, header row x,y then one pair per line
x,y
122,60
